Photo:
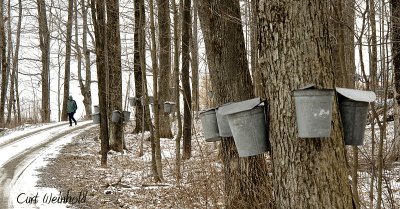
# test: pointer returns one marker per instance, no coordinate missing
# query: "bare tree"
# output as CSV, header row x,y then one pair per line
x,y
44,38
165,65
176,92
156,149
396,64
67,64
187,99
295,52
195,60
4,78
247,184
141,114
98,18
115,73
84,86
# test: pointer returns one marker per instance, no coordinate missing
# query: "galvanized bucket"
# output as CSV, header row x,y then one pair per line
x,y
353,105
210,127
133,101
96,109
313,112
151,100
169,107
116,116
96,118
249,131
223,124
354,119
127,116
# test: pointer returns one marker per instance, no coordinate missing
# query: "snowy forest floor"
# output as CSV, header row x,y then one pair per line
x,y
127,182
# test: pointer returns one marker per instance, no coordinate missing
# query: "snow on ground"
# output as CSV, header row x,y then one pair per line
x,y
9,134
18,147
25,189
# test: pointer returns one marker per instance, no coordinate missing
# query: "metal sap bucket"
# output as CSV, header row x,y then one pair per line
x,y
133,101
127,116
223,124
151,100
116,116
247,122
210,127
313,112
96,118
353,105
96,109
169,107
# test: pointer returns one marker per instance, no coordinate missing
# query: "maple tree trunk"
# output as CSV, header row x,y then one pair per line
x,y
295,51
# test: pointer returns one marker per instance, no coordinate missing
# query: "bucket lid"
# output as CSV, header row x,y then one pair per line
x,y
239,106
169,103
357,95
207,110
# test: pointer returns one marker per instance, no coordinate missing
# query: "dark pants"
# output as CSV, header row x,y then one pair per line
x,y
71,118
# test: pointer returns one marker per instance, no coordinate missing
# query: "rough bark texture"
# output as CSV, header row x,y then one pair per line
x,y
165,66
85,85
14,75
396,66
247,184
44,37
195,60
98,17
115,73
157,172
343,52
187,99
137,69
67,70
3,65
176,92
295,51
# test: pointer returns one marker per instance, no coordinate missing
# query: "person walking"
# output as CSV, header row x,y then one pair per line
x,y
71,109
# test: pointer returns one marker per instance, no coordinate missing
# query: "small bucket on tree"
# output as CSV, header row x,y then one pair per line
x,y
127,116
133,101
353,105
313,112
116,116
96,118
247,123
223,124
209,123
169,107
96,109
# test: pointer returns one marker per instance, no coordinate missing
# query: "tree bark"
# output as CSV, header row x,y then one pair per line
x,y
140,118
295,50
195,60
247,184
165,66
396,65
343,53
177,98
67,64
44,37
115,73
83,84
3,60
98,17
187,99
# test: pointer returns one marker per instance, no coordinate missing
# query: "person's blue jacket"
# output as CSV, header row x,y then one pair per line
x,y
71,105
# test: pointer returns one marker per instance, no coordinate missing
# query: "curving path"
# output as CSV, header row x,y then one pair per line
x,y
20,152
